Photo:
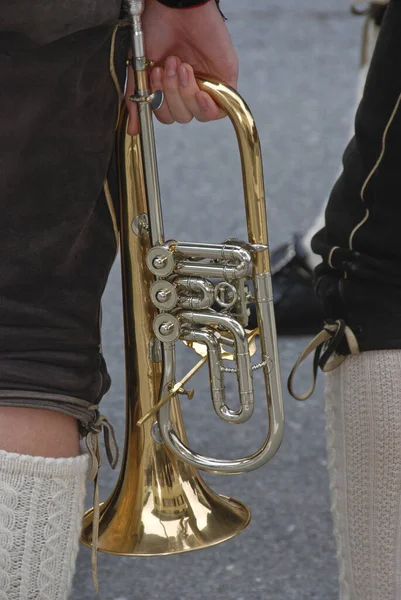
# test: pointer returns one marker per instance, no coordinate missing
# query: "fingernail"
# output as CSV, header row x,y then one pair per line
x,y
183,76
203,103
171,67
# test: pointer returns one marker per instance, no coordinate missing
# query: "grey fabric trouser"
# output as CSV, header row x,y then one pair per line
x,y
62,71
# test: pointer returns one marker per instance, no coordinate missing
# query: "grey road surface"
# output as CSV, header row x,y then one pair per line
x,y
299,64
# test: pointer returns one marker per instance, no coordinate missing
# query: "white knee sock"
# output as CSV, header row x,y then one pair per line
x,y
41,508
363,410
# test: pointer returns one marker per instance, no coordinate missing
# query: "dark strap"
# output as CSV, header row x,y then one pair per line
x,y
99,424
324,346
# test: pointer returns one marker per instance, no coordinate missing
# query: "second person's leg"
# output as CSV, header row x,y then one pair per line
x,y
359,282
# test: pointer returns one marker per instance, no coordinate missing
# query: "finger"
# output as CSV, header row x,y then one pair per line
x,y
163,114
178,109
209,108
133,124
200,104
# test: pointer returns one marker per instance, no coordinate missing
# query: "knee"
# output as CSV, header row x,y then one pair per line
x,y
38,432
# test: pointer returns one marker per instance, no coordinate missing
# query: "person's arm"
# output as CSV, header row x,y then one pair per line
x,y
194,38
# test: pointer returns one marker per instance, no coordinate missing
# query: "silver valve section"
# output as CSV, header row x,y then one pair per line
x,y
243,372
185,298
184,292
229,261
226,295
195,293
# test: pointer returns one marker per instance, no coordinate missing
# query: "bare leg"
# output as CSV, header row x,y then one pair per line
x,y
38,432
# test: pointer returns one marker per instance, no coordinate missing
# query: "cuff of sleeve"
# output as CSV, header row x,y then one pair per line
x,y
183,3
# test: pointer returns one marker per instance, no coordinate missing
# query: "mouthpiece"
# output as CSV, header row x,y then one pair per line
x,y
135,7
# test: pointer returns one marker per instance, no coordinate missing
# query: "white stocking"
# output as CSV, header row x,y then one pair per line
x,y
41,509
363,411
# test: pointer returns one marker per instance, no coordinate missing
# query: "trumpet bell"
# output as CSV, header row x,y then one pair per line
x,y
164,507
216,519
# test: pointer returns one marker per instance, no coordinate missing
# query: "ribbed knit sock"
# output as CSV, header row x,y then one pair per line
x,y
41,509
363,411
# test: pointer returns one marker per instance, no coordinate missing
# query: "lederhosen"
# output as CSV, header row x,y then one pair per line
x,y
62,71
62,74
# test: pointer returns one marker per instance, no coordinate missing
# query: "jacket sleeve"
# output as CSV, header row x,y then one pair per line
x,y
189,4
183,3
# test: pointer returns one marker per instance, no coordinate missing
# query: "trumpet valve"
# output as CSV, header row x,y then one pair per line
x,y
160,261
163,295
166,328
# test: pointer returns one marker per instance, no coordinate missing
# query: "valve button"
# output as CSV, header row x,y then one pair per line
x,y
160,261
163,295
166,328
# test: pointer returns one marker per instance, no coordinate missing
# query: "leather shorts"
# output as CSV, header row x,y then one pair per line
x,y
62,73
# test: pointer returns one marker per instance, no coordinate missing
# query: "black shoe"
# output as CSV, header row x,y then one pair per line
x,y
297,308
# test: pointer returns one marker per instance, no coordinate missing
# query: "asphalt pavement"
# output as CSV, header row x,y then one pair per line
x,y
299,64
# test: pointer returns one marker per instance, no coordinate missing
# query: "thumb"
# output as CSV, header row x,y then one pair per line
x,y
133,125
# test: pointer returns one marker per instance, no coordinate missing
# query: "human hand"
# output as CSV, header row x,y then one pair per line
x,y
181,42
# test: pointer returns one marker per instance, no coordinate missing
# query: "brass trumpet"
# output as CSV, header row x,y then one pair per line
x,y
160,504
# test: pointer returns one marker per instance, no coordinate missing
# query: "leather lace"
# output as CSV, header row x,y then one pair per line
x,y
324,346
95,428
